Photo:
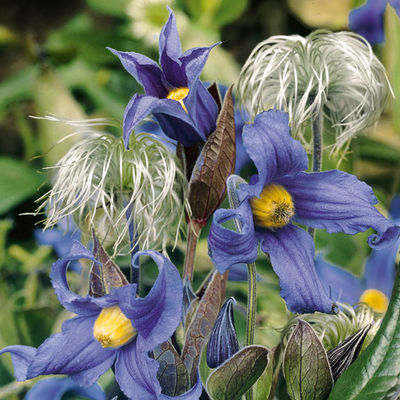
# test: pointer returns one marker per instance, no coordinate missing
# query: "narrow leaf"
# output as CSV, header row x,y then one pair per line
x,y
202,323
376,372
207,186
237,375
305,365
104,275
172,373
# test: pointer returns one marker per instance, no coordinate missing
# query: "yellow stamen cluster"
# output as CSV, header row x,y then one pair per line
x,y
112,328
179,94
375,299
274,208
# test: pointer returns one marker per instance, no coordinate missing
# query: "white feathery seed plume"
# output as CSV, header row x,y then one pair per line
x,y
336,74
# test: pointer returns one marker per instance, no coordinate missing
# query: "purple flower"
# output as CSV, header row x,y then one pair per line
x,y
116,328
375,287
367,20
282,192
175,95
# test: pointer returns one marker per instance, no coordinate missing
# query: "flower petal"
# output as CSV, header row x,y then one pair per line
x,y
55,388
396,5
339,283
227,247
291,251
193,61
74,351
339,202
21,357
144,70
156,316
70,300
274,152
136,372
367,20
394,210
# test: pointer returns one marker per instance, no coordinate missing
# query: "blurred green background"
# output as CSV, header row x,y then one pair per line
x,y
54,61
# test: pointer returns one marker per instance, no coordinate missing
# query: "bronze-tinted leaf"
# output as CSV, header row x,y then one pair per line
x,y
305,365
202,323
207,186
172,373
104,275
237,375
216,95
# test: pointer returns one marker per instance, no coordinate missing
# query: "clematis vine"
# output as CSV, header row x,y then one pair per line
x,y
118,328
367,20
175,96
282,193
375,286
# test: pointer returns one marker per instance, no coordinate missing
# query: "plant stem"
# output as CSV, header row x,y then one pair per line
x,y
251,312
193,236
317,125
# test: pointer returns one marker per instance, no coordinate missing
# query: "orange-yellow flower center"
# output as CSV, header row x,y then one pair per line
x,y
112,328
375,299
274,208
179,94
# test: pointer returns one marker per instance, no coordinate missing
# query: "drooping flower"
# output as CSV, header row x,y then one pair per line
x,y
335,75
174,95
118,328
367,20
55,388
375,286
282,192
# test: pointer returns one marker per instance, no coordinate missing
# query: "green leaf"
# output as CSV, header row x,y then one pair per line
x,y
375,375
172,374
237,375
228,11
305,365
262,387
18,181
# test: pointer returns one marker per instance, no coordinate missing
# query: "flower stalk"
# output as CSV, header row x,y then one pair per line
x,y
194,230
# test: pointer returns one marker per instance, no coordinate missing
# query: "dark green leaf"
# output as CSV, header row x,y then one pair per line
x,y
262,387
202,323
235,376
172,373
18,181
207,186
375,375
305,365
104,275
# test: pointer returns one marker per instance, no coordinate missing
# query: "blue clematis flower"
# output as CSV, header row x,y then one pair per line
x,y
116,328
55,388
175,96
282,192
367,20
375,287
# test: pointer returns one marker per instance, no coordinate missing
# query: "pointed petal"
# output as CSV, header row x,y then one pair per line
x,y
227,247
136,372
339,283
55,388
21,357
367,20
157,315
74,351
70,300
193,61
144,70
339,202
274,152
291,251
141,106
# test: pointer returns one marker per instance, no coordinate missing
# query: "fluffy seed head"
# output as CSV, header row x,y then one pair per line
x,y
333,73
108,188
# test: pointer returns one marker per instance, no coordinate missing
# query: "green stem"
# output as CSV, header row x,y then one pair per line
x,y
251,312
317,125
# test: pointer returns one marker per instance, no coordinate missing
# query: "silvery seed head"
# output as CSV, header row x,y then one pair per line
x,y
336,74
110,189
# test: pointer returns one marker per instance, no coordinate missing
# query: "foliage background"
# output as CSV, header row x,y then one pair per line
x,y
54,60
